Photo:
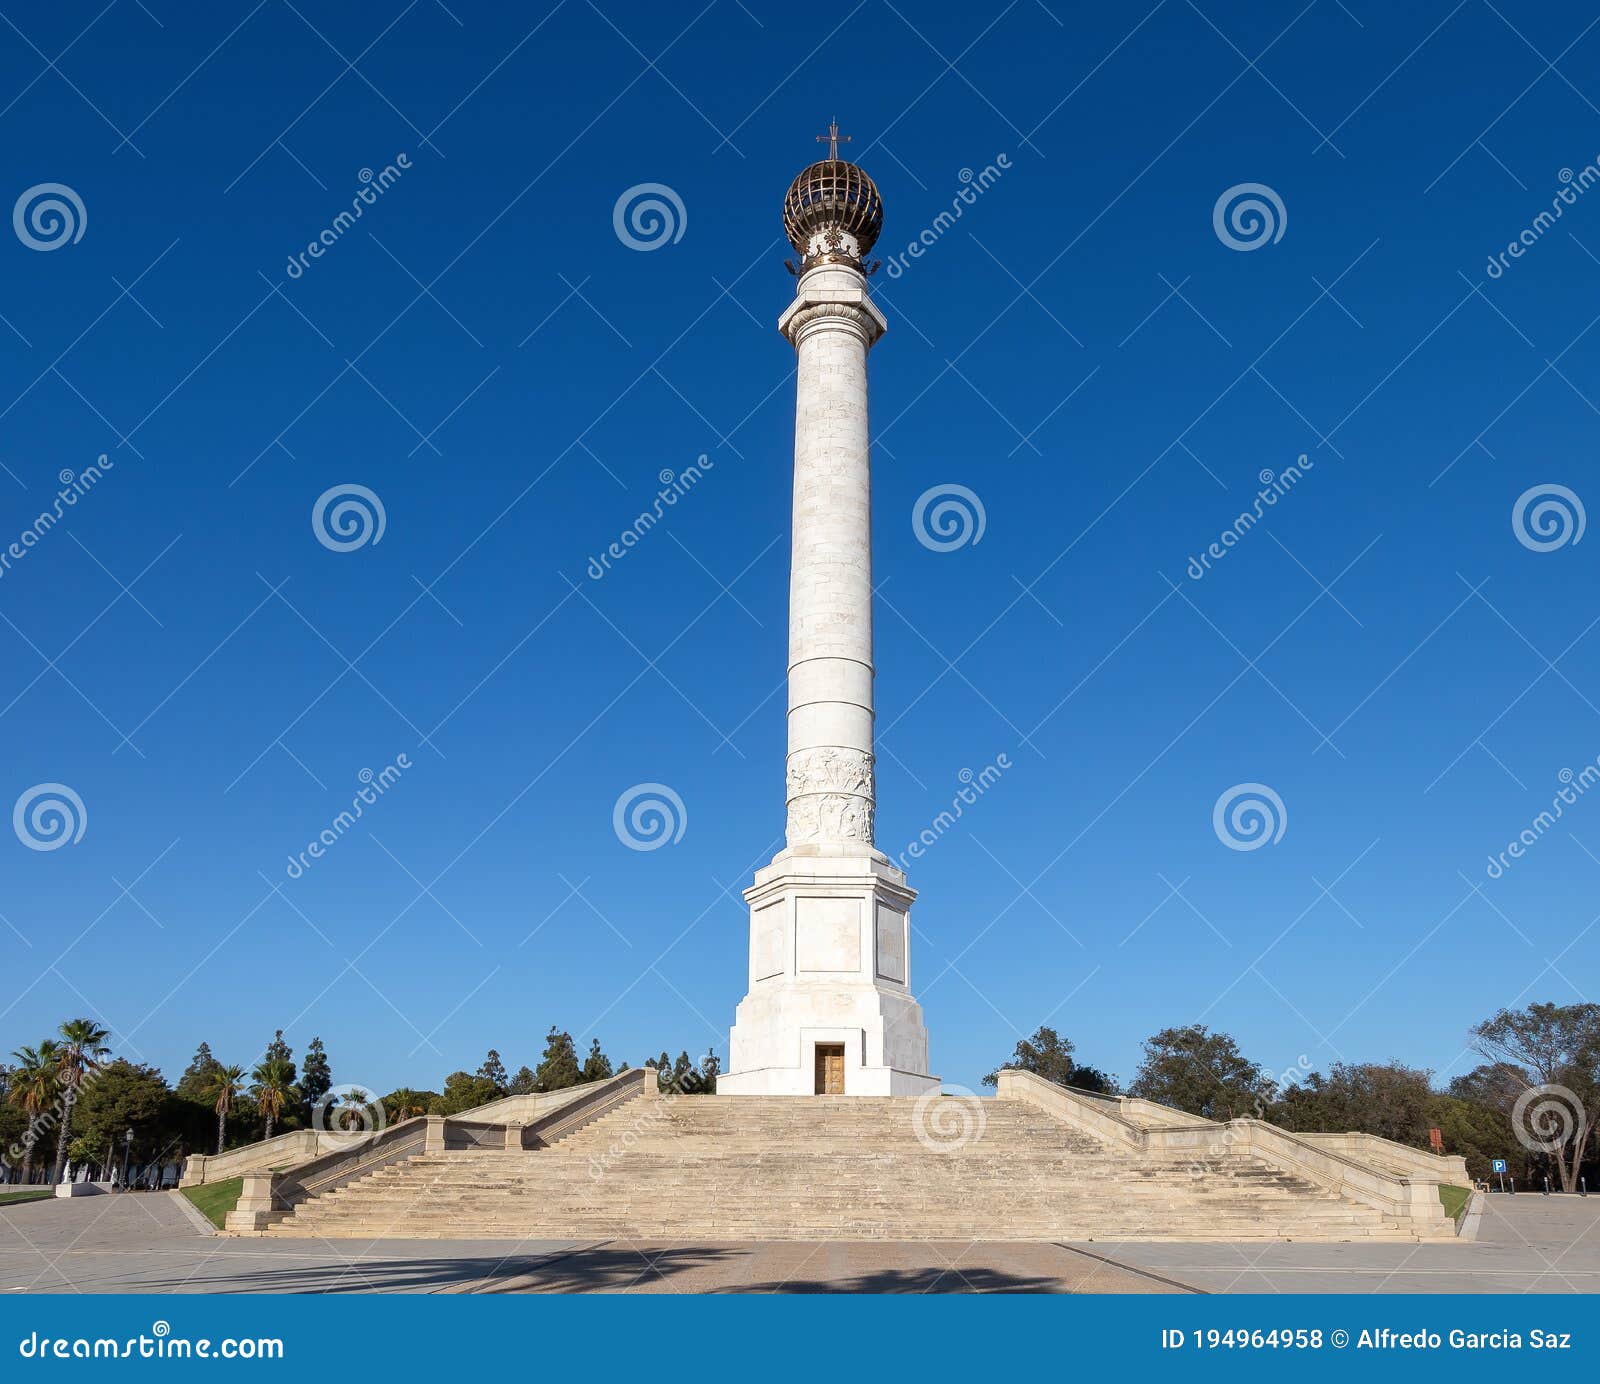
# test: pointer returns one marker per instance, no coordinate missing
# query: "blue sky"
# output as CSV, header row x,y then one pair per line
x,y
1081,350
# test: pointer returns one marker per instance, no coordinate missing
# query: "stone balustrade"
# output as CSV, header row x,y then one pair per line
x,y
271,1192
1402,1184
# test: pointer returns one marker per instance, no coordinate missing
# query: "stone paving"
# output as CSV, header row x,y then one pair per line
x,y
148,1243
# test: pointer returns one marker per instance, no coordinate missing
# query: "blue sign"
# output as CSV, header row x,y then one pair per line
x,y
1498,1164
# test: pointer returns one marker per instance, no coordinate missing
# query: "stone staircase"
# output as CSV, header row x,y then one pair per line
x,y
830,1168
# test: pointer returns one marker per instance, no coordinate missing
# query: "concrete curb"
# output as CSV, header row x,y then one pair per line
x,y
192,1212
1472,1217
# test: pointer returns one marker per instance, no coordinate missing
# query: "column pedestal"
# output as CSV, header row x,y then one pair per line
x,y
829,954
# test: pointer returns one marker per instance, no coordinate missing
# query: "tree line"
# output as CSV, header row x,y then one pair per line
x,y
1532,1100
67,1101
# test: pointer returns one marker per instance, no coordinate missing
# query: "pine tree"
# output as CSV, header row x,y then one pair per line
x,y
316,1077
524,1083
196,1076
279,1051
681,1070
710,1069
597,1066
559,1069
663,1066
494,1070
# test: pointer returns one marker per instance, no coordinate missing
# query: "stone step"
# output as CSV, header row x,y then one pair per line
x,y
831,1168
645,1232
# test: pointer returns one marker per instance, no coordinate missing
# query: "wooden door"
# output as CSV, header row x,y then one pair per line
x,y
830,1069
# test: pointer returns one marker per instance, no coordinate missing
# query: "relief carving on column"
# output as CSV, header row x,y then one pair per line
x,y
831,794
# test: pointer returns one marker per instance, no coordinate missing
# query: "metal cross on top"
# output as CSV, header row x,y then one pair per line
x,y
833,137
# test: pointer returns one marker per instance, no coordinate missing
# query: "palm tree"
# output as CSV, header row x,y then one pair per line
x,y
33,1090
223,1086
272,1089
82,1046
403,1104
355,1108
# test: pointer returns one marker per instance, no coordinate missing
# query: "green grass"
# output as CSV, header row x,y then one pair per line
x,y
214,1200
1455,1200
31,1194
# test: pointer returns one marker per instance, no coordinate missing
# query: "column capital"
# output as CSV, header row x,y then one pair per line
x,y
833,293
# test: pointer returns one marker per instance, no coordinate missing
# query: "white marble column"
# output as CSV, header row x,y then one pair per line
x,y
832,325
830,917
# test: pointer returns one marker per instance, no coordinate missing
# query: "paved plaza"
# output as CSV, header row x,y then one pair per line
x,y
152,1244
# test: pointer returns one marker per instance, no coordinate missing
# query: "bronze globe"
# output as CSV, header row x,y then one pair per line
x,y
839,203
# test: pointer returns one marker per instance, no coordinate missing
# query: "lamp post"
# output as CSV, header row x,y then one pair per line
x,y
127,1154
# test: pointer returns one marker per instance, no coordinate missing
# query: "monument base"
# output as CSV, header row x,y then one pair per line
x,y
830,1009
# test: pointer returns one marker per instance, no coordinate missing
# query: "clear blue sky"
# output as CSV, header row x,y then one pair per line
x,y
1080,349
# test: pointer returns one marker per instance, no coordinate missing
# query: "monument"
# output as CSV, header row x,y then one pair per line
x,y
830,1010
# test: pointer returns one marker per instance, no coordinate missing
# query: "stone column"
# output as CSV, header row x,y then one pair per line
x,y
832,324
830,916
